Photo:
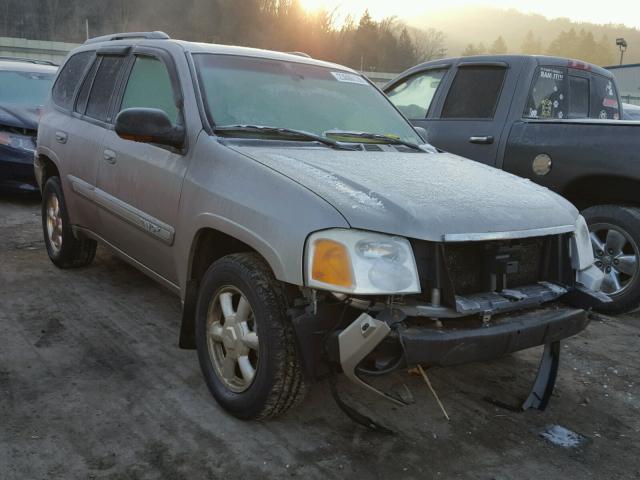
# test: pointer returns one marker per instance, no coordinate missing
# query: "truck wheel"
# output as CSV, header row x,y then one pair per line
x,y
64,249
615,237
245,342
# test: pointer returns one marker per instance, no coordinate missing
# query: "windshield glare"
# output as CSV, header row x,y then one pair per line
x,y
26,89
256,91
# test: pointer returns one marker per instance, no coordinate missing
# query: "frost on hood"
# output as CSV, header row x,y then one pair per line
x,y
424,196
359,198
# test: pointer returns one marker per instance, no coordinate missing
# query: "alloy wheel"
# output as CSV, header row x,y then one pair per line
x,y
616,254
232,339
54,222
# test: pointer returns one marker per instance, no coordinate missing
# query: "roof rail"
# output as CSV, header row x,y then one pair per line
x,y
157,35
29,60
300,54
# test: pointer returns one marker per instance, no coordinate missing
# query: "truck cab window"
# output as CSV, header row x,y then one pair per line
x,y
103,86
604,99
578,97
149,86
475,92
414,95
547,98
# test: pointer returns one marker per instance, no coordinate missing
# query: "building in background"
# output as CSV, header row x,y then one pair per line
x,y
628,79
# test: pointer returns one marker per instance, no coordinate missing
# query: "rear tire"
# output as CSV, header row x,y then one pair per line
x,y
245,341
64,249
615,237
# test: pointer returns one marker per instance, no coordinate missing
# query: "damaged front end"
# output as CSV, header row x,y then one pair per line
x,y
476,299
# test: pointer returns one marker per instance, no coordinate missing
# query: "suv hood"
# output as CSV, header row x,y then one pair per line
x,y
422,196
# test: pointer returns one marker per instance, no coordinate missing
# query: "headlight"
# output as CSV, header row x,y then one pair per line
x,y
581,250
360,262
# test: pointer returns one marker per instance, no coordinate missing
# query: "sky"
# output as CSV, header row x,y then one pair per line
x,y
619,11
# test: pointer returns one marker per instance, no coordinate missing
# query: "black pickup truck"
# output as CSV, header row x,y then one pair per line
x,y
552,120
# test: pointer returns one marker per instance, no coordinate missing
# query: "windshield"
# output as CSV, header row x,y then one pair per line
x,y
26,89
257,91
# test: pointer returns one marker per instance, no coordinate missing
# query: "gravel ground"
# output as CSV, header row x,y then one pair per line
x,y
92,385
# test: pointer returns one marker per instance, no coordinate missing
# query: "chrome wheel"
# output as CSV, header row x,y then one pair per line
x,y
232,339
54,222
616,255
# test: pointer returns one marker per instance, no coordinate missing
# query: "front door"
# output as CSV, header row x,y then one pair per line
x,y
140,183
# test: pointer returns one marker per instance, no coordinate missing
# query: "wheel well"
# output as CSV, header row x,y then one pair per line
x,y
49,169
209,245
586,192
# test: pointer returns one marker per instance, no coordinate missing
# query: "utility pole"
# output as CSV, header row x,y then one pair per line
x,y
622,44
86,27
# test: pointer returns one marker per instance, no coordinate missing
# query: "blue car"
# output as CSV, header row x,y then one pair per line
x,y
24,86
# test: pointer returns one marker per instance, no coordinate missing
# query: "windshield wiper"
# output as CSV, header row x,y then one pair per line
x,y
281,132
374,136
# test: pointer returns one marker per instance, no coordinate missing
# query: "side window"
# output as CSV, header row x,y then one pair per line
x,y
547,98
604,99
69,77
413,97
103,86
83,95
474,92
149,86
578,97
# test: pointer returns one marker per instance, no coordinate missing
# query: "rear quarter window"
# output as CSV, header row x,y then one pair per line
x,y
548,94
70,76
604,99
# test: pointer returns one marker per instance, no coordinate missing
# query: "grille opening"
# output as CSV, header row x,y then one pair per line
x,y
479,267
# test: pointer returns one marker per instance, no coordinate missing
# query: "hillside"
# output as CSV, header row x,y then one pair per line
x,y
483,25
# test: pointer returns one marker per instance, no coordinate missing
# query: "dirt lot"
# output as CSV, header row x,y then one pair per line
x,y
92,385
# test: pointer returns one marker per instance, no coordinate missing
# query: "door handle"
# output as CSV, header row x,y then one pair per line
x,y
109,157
61,137
486,140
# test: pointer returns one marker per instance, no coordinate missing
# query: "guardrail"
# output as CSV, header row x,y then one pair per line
x,y
38,49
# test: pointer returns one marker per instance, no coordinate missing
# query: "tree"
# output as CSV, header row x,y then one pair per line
x,y
472,49
429,44
499,46
531,45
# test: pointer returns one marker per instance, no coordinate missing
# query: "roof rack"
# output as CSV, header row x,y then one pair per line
x,y
157,35
29,60
300,54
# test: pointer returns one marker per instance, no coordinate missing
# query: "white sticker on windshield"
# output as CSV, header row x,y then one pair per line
x,y
349,78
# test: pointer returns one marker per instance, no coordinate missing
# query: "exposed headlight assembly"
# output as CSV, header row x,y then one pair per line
x,y
582,259
360,262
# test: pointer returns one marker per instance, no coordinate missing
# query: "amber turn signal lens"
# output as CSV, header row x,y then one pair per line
x,y
331,264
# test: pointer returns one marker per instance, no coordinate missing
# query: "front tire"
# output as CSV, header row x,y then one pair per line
x,y
615,237
63,248
245,342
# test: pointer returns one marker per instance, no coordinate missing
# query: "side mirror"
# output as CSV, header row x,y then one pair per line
x,y
148,125
423,133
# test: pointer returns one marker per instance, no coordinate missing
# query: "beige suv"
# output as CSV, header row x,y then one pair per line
x,y
305,224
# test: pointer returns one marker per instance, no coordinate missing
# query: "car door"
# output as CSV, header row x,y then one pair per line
x,y
75,141
469,112
140,183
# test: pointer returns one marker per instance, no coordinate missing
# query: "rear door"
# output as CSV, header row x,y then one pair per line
x,y
140,183
74,142
87,130
469,111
